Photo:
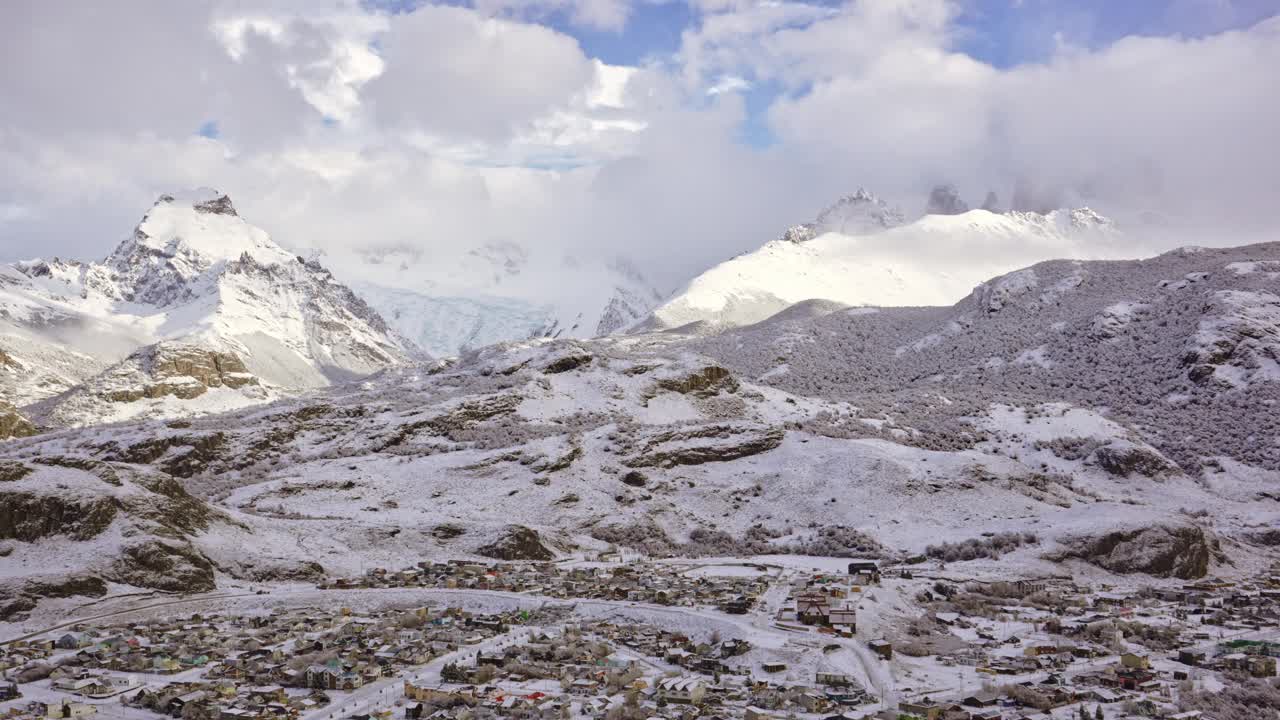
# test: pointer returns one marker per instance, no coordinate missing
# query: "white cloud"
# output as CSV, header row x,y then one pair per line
x,y
458,126
453,71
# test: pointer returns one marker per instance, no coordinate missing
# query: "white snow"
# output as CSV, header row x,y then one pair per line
x,y
933,261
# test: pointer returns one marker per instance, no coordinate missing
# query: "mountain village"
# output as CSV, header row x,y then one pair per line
x,y
982,650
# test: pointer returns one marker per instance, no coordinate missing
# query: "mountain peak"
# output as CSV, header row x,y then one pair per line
x,y
945,200
861,212
204,200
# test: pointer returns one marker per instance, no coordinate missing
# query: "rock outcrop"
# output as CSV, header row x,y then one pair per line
x,y
29,516
1123,459
179,370
518,543
163,565
703,382
13,423
704,444
1178,551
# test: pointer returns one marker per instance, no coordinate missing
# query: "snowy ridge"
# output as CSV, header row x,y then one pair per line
x,y
931,261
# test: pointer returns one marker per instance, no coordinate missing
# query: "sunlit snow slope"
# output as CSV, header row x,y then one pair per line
x,y
931,261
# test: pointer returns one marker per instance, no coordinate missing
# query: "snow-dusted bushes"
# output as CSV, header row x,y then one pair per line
x,y
1241,697
984,547
836,541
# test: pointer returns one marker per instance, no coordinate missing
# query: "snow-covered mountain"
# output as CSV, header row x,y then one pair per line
x,y
500,291
196,311
881,262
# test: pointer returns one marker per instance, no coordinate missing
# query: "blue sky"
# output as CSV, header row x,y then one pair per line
x,y
1006,33
1002,33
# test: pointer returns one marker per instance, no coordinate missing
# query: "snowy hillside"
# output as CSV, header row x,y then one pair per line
x,y
1117,405
196,311
931,261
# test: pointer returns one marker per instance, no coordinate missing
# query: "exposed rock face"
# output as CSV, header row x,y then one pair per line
x,y
18,597
945,200
447,531
183,455
220,205
183,371
704,382
12,422
567,363
308,572
137,528
519,543
174,567
1179,551
704,444
1238,337
13,470
29,517
995,295
1122,459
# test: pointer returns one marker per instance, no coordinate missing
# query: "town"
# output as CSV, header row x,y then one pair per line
x,y
747,640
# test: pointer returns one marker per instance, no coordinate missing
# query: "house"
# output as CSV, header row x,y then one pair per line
x,y
883,648
925,708
1262,666
864,572
1102,695
681,690
843,619
349,681
70,709
833,679
983,699
74,641
1189,656
1135,661
812,608
322,677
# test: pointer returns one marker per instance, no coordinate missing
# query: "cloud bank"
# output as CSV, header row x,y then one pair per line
x,y
349,127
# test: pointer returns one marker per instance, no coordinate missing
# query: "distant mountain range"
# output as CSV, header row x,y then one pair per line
x,y
199,311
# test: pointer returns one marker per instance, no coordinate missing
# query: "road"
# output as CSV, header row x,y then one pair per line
x,y
90,618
